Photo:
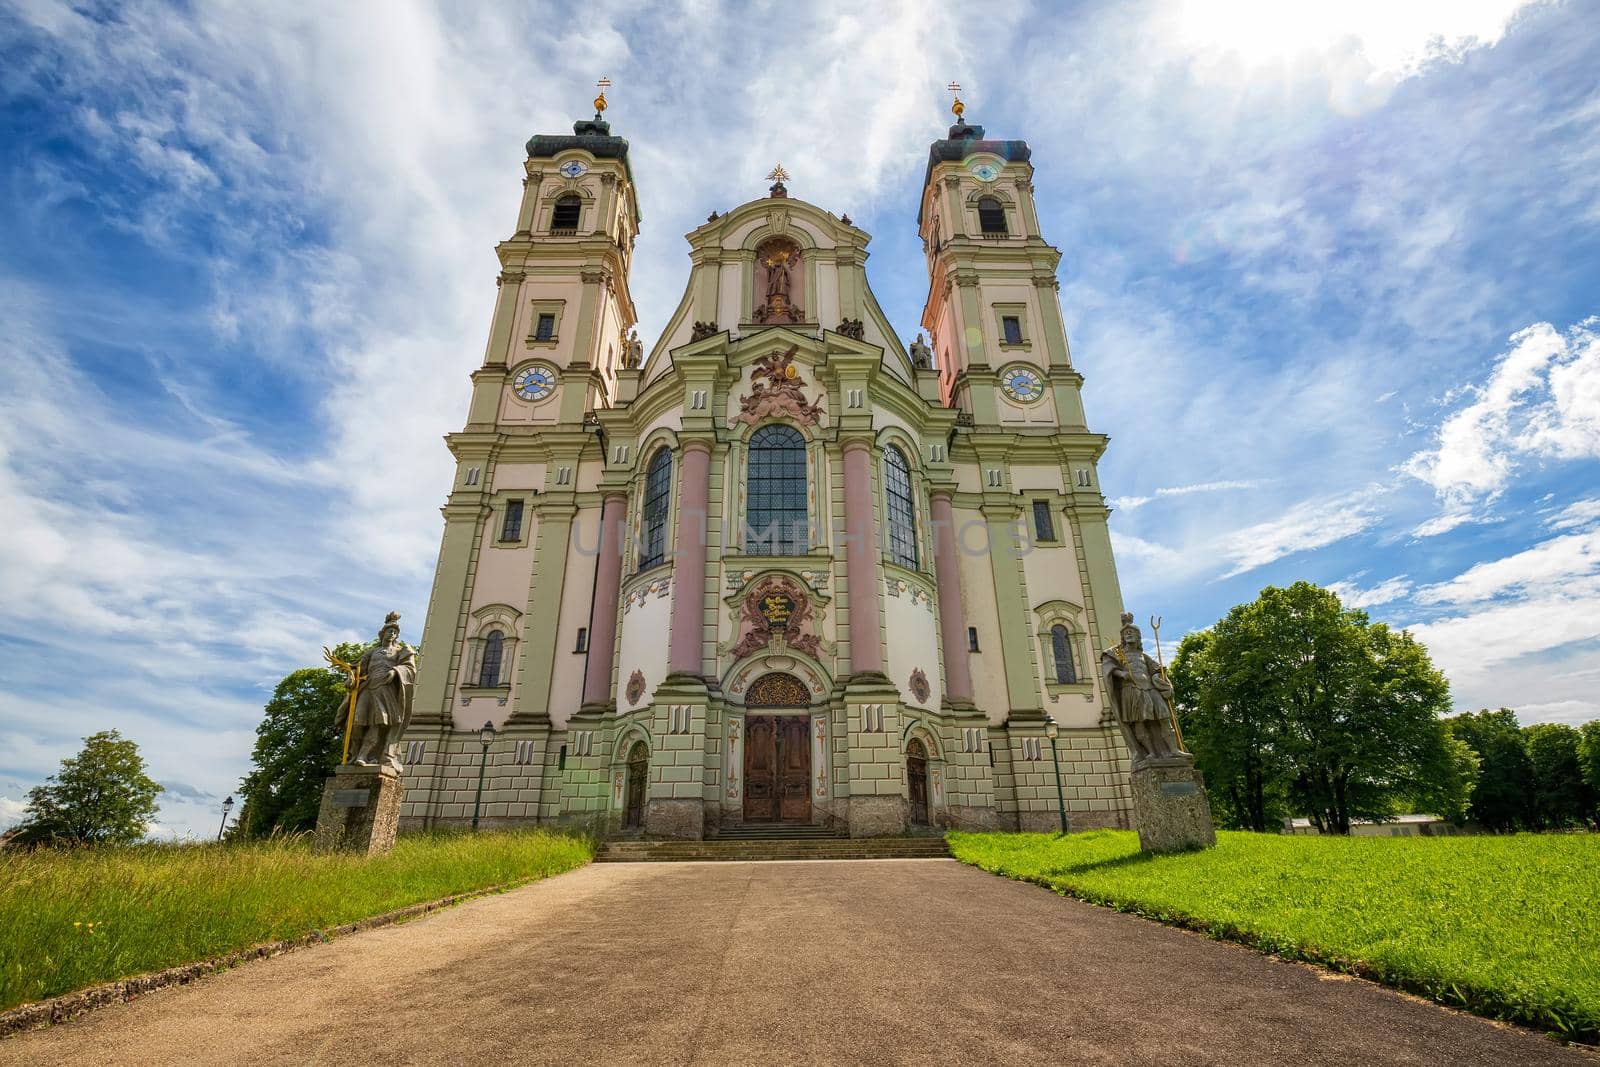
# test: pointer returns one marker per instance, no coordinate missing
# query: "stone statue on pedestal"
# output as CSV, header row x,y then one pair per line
x,y
361,802
1142,696
1169,794
386,680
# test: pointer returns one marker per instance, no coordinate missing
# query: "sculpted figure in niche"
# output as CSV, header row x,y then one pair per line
x,y
777,262
388,674
1142,696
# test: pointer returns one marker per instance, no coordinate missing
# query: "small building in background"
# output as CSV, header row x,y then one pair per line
x,y
1399,826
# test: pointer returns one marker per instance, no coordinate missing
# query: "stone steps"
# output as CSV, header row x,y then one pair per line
x,y
864,848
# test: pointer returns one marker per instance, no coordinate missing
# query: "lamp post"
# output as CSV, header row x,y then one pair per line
x,y
485,738
1050,731
227,806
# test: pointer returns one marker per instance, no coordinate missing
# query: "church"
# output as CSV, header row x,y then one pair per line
x,y
781,568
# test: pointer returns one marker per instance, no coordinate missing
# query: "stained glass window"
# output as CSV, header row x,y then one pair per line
x,y
657,491
493,653
775,517
902,511
1061,647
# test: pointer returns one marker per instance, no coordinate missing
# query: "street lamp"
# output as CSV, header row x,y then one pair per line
x,y
1050,731
227,806
485,738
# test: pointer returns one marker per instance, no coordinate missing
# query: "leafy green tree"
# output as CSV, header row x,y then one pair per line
x,y
1589,760
297,747
1294,692
1226,726
101,796
1449,784
1560,795
1502,798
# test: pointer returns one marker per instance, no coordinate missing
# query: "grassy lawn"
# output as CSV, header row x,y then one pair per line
x,y
1507,927
157,906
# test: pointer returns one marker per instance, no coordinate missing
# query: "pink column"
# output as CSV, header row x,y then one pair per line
x,y
860,547
952,620
607,587
689,561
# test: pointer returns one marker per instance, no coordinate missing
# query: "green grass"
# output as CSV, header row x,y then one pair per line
x,y
1507,927
156,906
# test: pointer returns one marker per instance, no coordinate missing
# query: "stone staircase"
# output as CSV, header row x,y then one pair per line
x,y
774,842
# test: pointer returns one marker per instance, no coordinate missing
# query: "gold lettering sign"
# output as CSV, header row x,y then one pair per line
x,y
777,608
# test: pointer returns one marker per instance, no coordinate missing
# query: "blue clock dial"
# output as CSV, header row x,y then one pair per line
x,y
1022,385
573,169
984,170
534,383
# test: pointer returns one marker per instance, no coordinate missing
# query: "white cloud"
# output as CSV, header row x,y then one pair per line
x,y
1548,566
1385,592
1541,401
11,812
1576,516
1307,525
1128,503
1571,712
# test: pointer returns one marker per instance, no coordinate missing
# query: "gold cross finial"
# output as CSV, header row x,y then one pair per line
x,y
958,107
778,174
600,101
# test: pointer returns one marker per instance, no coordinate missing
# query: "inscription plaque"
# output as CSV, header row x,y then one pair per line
x,y
350,798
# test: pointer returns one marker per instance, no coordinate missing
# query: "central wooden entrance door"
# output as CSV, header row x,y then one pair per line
x,y
777,768
777,752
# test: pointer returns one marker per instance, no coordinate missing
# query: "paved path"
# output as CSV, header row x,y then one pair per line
x,y
895,961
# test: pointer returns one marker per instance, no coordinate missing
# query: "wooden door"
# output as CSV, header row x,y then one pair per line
x,y
794,768
777,768
917,779
638,776
760,768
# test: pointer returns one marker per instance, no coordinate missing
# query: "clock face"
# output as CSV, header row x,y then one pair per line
x,y
534,383
1022,385
572,168
984,170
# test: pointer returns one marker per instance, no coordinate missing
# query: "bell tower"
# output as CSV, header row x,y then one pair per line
x,y
998,338
564,317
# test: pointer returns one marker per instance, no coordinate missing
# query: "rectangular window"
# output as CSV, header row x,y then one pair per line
x,y
1013,327
583,639
511,526
1044,527
546,330
972,639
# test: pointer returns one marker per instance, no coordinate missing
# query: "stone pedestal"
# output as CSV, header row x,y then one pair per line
x,y
1170,807
360,811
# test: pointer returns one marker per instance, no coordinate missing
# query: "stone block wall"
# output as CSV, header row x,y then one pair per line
x,y
441,791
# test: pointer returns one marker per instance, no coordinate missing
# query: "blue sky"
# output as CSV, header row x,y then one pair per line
x,y
1330,274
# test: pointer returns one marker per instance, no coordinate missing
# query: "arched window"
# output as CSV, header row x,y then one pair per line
x,y
567,211
991,216
494,647
657,492
902,511
775,520
1061,649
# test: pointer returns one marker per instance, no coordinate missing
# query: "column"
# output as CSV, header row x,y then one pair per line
x,y
952,618
866,652
689,566
603,615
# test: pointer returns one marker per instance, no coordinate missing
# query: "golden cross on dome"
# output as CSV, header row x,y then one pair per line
x,y
600,101
958,107
778,174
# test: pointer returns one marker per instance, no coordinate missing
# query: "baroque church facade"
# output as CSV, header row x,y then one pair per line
x,y
782,567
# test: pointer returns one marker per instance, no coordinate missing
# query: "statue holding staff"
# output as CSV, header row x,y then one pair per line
x,y
1142,695
383,683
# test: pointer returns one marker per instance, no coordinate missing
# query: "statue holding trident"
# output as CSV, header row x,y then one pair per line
x,y
382,684
1142,695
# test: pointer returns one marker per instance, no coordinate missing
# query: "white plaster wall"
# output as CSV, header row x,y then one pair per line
x,y
977,596
913,642
646,628
502,576
566,676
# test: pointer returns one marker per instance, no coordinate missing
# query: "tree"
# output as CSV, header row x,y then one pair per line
x,y
1449,785
1589,760
1501,799
1293,693
1225,726
1560,795
101,796
297,747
